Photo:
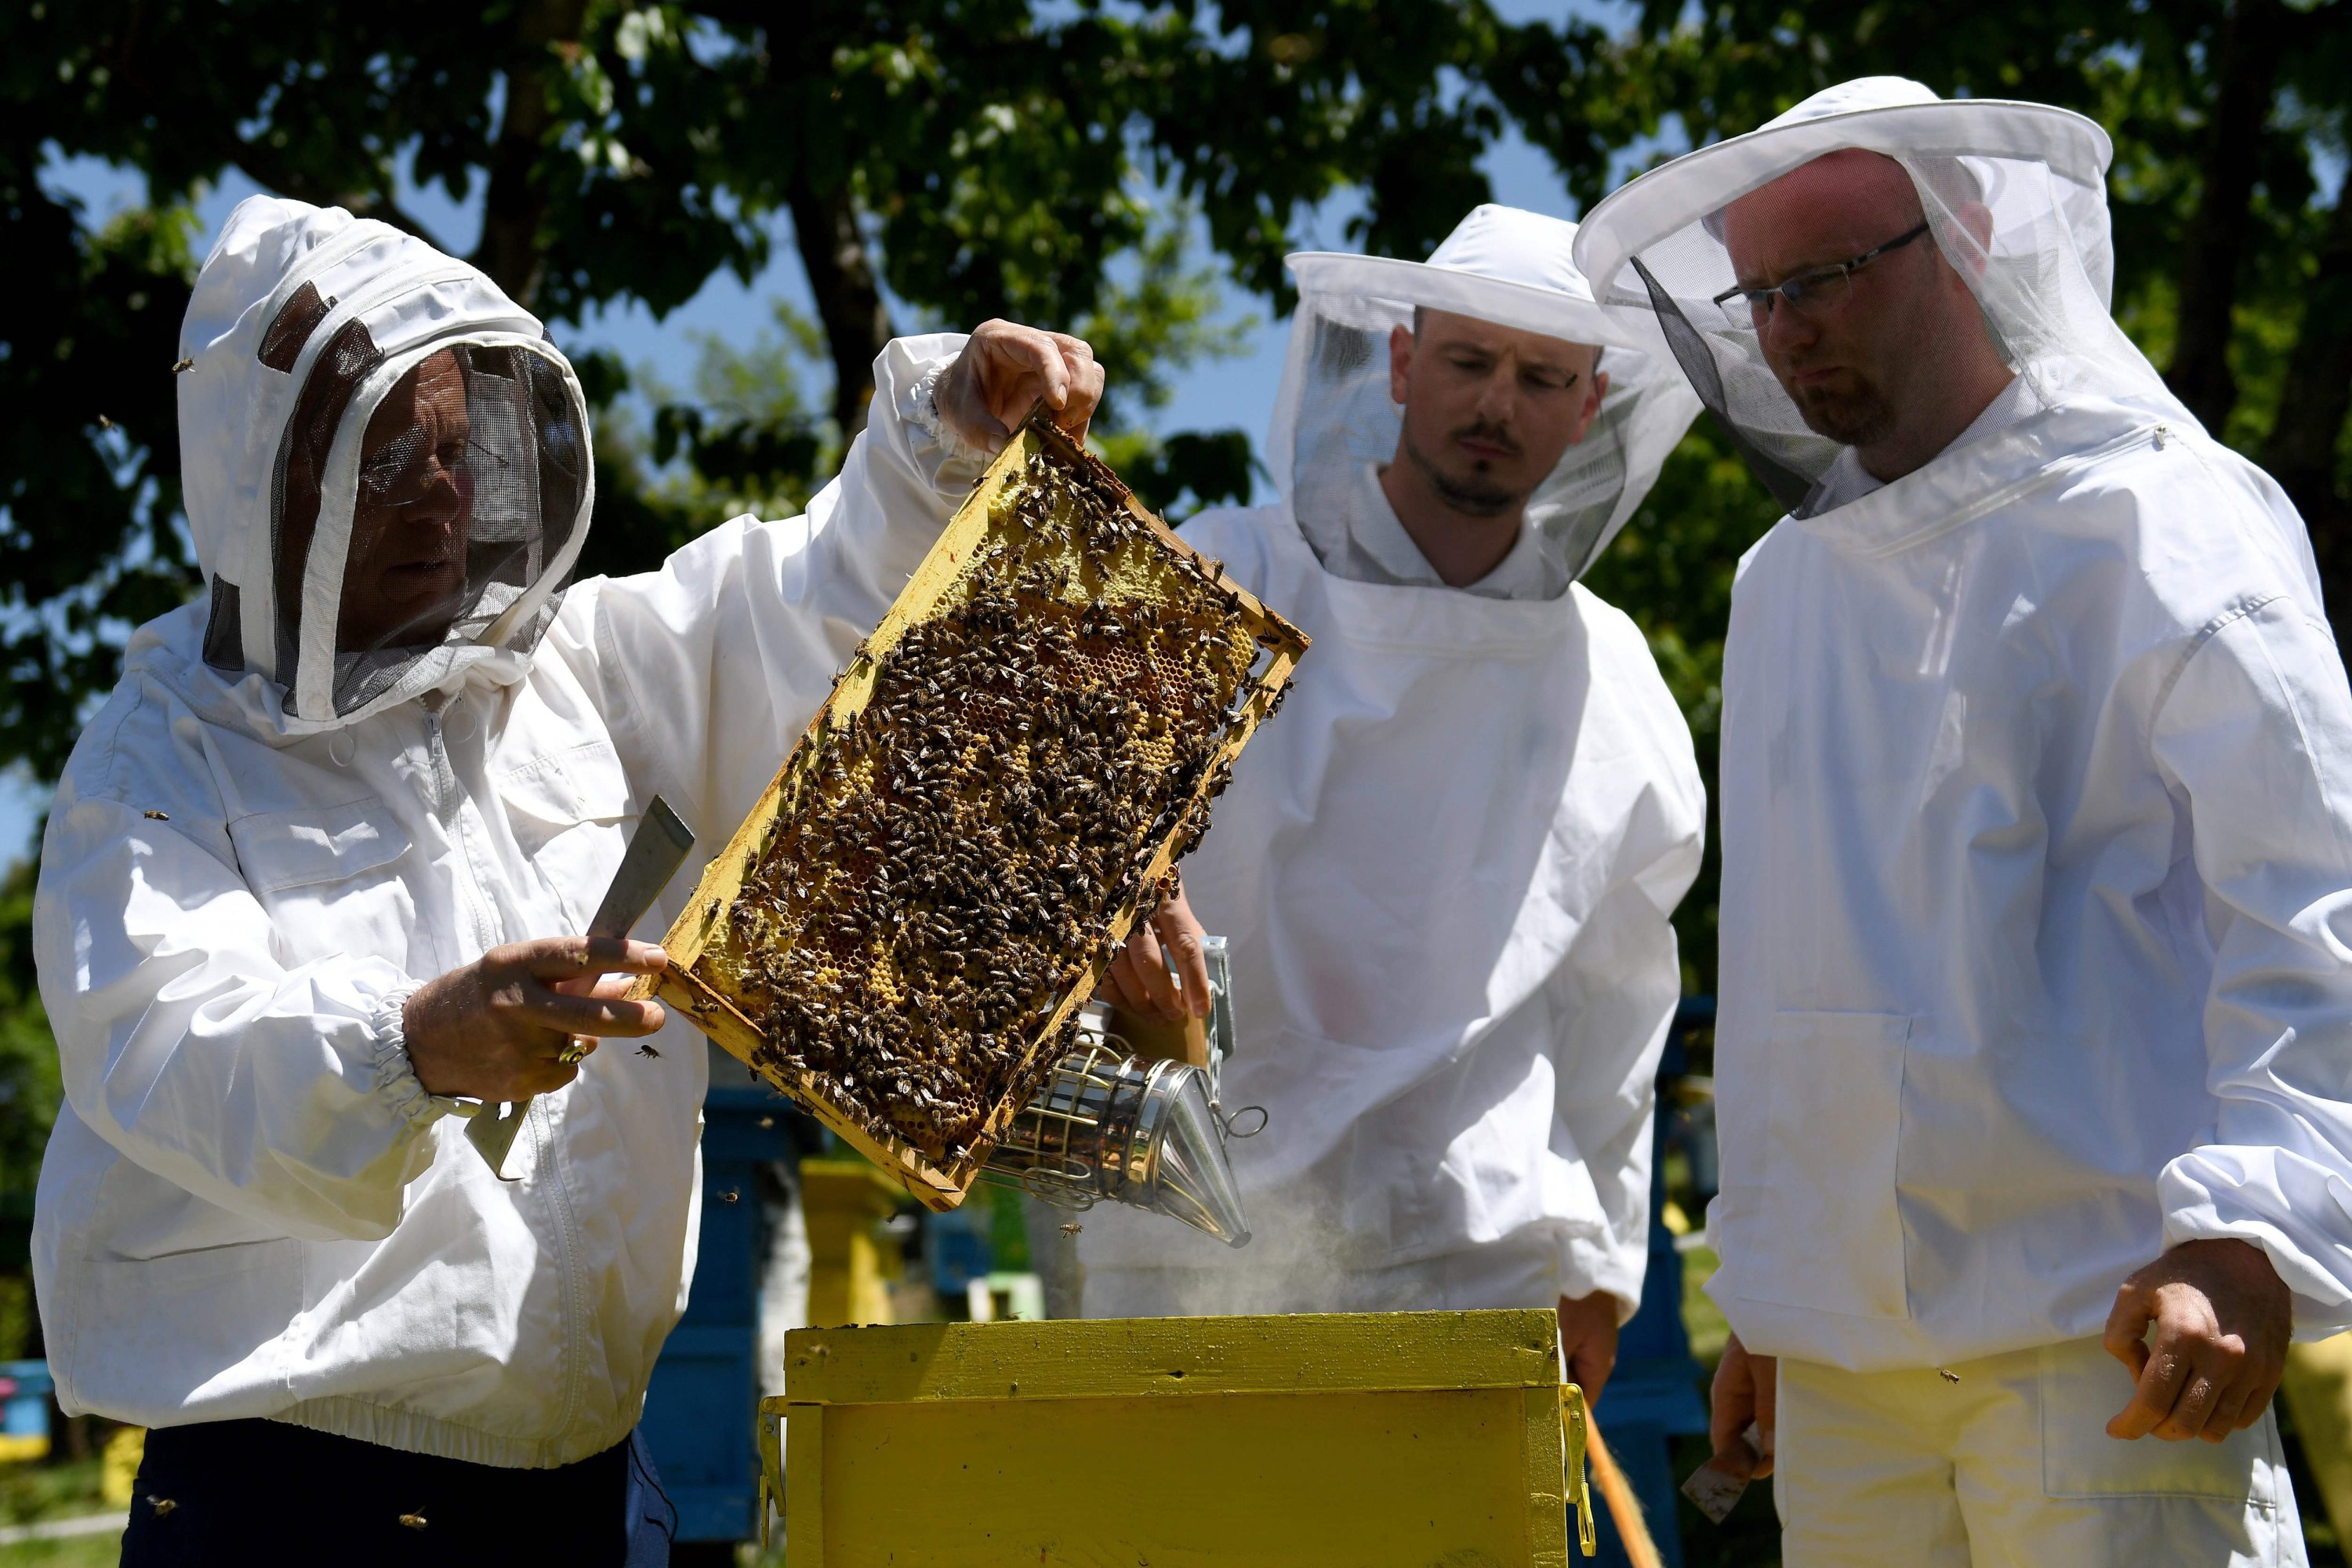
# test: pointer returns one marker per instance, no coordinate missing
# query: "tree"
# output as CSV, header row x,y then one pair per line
x,y
963,158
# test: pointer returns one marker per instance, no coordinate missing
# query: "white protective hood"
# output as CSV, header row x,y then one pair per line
x,y
2045,277
1447,869
250,1207
2037,849
303,320
1335,415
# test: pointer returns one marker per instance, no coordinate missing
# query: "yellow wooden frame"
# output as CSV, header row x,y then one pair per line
x,y
1048,1375
684,985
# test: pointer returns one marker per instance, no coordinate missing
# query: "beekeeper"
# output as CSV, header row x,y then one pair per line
x,y
2035,998
1445,869
314,870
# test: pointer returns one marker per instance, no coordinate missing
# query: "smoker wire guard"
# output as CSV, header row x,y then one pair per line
x,y
943,1187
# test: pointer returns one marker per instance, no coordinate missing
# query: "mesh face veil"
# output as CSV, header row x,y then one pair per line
x,y
466,481
422,479
1336,414
2013,196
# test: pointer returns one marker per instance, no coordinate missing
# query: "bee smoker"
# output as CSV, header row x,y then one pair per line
x,y
1111,1124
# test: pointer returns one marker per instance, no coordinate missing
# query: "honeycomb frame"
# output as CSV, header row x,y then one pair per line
x,y
946,579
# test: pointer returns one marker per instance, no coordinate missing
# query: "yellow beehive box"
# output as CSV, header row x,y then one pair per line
x,y
851,1262
899,934
1379,1440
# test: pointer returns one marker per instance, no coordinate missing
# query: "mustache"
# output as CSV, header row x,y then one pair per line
x,y
1482,430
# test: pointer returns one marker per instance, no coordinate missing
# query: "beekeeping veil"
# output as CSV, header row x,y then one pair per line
x,y
2014,194
1500,264
387,463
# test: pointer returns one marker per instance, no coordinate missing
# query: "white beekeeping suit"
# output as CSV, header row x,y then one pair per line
x,y
2037,848
273,833
1445,867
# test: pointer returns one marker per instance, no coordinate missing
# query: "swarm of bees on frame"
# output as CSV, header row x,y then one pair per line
x,y
968,837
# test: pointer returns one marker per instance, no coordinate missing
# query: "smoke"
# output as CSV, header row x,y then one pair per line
x,y
1302,1259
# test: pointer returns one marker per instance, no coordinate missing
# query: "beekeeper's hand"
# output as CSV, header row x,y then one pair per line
x,y
498,1028
1588,1339
1139,979
1746,1391
2222,1318
1004,369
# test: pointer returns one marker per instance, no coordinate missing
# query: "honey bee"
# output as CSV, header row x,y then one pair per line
x,y
991,812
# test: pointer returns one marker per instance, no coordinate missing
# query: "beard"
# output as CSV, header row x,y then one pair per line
x,y
1859,415
1473,494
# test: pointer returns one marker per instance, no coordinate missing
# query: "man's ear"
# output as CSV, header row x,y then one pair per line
x,y
1400,363
1975,220
1592,398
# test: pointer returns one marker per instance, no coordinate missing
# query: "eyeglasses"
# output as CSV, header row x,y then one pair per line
x,y
402,473
1812,292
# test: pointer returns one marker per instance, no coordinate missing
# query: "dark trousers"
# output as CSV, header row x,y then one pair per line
x,y
263,1492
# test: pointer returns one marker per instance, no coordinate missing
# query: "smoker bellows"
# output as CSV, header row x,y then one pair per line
x,y
900,935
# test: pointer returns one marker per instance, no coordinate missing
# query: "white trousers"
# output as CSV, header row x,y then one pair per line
x,y
2010,1467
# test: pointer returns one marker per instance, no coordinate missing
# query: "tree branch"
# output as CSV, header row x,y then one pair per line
x,y
514,210
269,170
848,302
2247,59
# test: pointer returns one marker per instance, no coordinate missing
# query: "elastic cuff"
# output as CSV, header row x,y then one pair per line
x,y
396,1075
923,408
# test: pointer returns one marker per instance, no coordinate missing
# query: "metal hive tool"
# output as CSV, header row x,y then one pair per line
x,y
899,935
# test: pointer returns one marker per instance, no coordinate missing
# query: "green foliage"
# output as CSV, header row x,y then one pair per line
x,y
1158,322
30,1092
87,545
748,437
29,1493
1008,1236
1187,471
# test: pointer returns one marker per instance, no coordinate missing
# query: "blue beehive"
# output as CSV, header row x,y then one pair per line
x,y
24,1388
702,1411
